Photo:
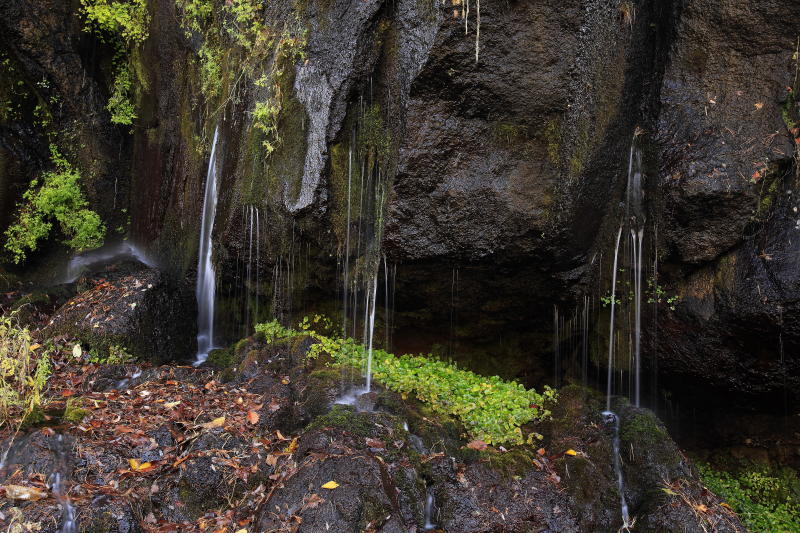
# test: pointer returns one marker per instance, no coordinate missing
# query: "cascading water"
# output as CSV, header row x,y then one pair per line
x,y
206,280
636,218
100,257
611,418
371,306
430,510
611,323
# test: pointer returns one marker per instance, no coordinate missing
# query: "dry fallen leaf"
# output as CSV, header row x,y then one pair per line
x,y
571,452
477,445
252,417
170,405
330,485
759,105
216,423
18,492
292,446
136,466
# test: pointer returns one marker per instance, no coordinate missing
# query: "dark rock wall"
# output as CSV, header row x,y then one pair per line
x,y
494,185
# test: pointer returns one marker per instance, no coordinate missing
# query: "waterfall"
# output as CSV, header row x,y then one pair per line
x,y
430,510
633,222
612,418
206,281
371,306
611,326
636,219
556,347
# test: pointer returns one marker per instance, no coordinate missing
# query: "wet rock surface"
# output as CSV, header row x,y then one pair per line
x,y
131,306
180,451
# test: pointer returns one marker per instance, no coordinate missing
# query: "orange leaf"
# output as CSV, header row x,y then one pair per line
x,y
477,445
67,392
252,417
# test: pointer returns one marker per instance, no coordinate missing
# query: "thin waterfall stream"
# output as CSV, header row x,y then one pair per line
x,y
206,279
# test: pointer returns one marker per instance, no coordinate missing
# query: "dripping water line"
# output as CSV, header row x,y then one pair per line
x,y
611,326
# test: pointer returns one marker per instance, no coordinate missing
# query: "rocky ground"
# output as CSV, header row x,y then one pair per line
x,y
255,442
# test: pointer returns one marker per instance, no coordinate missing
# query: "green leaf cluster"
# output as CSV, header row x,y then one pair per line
x,y
120,104
126,23
128,19
22,376
56,197
767,501
492,410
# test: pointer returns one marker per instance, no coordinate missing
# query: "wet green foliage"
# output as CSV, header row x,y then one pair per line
x,y
492,410
125,24
767,501
55,197
127,19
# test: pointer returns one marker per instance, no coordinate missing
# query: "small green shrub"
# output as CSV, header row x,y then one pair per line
x,y
22,376
57,196
120,104
766,501
116,355
74,411
127,19
492,409
125,23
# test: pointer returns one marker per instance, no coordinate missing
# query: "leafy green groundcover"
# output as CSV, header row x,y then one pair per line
x,y
766,501
493,410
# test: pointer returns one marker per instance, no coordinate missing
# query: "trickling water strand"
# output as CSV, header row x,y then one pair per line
x,y
611,326
69,522
430,510
556,345
371,329
386,317
206,282
258,286
637,237
612,418
634,207
585,341
347,238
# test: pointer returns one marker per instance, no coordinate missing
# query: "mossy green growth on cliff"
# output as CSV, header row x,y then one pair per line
x,y
492,410
55,197
125,23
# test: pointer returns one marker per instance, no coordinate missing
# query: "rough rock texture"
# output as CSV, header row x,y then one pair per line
x,y
726,193
56,93
502,175
133,307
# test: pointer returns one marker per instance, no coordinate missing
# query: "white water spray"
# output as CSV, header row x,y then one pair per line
x,y
371,306
612,418
206,280
611,326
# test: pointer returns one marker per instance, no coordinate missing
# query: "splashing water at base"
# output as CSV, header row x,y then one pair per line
x,y
430,510
103,256
206,281
611,418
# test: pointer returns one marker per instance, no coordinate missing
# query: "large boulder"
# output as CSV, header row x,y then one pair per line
x,y
134,307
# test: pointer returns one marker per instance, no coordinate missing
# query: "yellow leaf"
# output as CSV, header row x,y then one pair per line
x,y
292,446
571,452
216,423
330,485
76,351
136,466
241,531
35,346
170,405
